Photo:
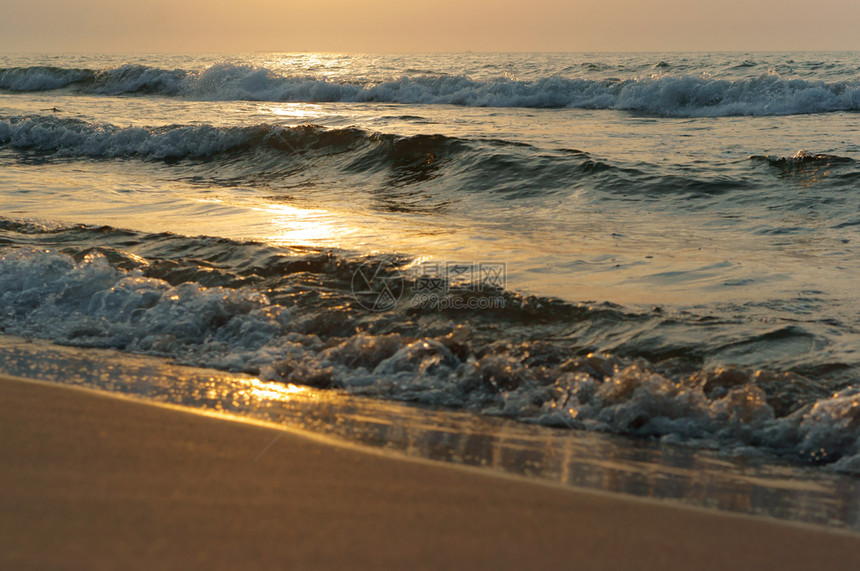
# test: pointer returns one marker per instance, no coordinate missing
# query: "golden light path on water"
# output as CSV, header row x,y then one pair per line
x,y
307,227
298,112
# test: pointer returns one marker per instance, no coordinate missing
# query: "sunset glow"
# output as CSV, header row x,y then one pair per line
x,y
606,245
446,25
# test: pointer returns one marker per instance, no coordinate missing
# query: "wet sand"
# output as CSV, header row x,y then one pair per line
x,y
92,481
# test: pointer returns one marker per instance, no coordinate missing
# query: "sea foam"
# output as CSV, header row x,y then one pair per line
x,y
667,95
86,300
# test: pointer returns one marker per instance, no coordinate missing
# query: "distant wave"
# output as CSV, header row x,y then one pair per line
x,y
289,315
61,137
127,79
683,96
75,138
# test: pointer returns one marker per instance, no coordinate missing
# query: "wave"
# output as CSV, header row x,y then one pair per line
x,y
126,79
295,315
76,138
62,137
271,153
804,158
684,96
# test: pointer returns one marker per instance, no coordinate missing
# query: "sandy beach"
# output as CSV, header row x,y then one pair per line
x,y
91,481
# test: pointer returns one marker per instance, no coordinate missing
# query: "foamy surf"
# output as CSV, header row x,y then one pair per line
x,y
293,316
667,95
650,254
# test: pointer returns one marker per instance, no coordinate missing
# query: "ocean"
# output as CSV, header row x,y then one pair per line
x,y
569,257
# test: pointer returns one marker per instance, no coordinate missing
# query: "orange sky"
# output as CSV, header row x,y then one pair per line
x,y
440,25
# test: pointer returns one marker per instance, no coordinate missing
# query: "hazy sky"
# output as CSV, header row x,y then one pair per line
x,y
439,25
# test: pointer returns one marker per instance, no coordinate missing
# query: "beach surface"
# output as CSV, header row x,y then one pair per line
x,y
92,481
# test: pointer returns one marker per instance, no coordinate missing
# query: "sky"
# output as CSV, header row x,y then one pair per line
x,y
222,26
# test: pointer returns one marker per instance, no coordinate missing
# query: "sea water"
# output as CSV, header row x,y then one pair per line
x,y
651,245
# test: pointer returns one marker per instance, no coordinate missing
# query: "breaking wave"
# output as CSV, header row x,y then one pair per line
x,y
444,167
804,158
272,153
683,96
291,315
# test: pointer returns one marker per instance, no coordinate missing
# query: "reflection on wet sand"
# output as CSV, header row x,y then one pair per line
x,y
602,462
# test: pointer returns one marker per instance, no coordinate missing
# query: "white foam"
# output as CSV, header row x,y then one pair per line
x,y
50,295
39,78
666,95
662,94
72,138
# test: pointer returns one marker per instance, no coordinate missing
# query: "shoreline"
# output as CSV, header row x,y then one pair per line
x,y
198,491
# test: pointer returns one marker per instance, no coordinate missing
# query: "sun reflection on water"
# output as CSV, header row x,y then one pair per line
x,y
301,112
255,389
307,227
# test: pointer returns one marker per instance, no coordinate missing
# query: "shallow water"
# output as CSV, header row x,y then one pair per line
x,y
657,245
686,476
